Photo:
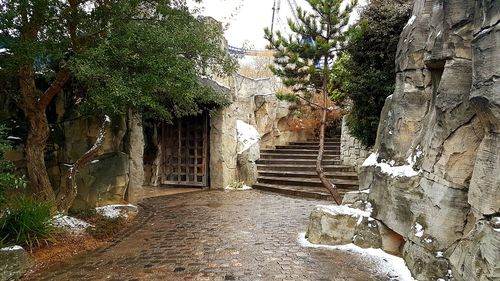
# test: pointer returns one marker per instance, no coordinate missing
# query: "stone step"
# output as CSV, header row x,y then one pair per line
x,y
304,168
297,161
278,155
302,174
337,143
340,183
307,192
315,147
301,151
326,139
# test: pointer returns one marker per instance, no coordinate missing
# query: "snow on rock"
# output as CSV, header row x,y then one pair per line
x,y
419,230
247,135
343,210
244,187
382,262
387,167
115,211
11,248
410,21
70,224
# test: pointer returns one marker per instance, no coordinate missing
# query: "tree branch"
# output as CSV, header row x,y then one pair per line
x,y
314,104
62,77
67,195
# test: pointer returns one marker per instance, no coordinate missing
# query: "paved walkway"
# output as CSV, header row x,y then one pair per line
x,y
215,235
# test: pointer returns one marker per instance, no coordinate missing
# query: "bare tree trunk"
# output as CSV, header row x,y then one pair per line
x,y
67,195
38,133
319,167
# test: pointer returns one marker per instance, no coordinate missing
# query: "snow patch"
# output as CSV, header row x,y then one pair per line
x,y
439,254
115,211
384,263
387,167
419,230
107,119
410,21
343,210
247,135
70,224
94,161
244,187
13,138
11,248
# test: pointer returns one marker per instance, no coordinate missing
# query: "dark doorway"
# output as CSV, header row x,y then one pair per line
x,y
185,144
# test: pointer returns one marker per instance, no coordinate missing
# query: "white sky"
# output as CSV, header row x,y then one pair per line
x,y
248,18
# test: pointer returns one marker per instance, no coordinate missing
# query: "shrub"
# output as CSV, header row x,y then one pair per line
x,y
102,227
27,222
237,185
8,180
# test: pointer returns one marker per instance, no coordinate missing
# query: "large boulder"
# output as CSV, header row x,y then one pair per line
x,y
442,123
334,225
14,263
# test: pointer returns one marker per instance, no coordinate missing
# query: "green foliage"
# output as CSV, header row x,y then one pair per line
x,y
130,54
8,180
340,77
287,97
314,41
26,222
365,73
237,185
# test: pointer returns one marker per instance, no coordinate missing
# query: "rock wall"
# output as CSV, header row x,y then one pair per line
x,y
352,152
106,180
434,175
253,102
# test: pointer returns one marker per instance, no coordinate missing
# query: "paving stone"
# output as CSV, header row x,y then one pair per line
x,y
215,235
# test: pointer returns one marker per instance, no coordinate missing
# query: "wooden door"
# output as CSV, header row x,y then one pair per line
x,y
185,144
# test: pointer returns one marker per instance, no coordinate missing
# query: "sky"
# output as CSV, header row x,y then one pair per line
x,y
247,19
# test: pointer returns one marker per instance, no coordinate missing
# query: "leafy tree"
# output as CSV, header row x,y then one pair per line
x,y
366,71
125,54
303,59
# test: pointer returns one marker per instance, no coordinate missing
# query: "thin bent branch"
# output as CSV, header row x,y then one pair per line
x,y
67,195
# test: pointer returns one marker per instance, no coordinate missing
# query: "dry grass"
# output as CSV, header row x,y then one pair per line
x,y
64,246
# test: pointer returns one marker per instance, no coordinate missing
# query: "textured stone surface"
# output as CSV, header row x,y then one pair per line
x,y
352,152
135,151
216,236
367,234
330,228
247,169
14,263
443,120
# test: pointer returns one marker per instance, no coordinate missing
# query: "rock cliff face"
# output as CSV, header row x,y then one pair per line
x,y
436,178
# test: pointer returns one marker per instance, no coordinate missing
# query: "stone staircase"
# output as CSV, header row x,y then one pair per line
x,y
291,169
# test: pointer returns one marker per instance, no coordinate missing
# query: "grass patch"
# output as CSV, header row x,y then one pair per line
x,y
27,222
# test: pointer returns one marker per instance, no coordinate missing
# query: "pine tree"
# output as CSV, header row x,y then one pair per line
x,y
303,59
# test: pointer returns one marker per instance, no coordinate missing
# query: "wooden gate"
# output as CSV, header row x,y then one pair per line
x,y
185,146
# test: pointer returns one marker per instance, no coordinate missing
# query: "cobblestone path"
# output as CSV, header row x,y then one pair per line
x,y
215,235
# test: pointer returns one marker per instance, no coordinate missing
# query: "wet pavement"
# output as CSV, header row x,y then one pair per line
x,y
216,235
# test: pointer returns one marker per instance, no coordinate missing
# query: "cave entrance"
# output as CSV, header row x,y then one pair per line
x,y
185,144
